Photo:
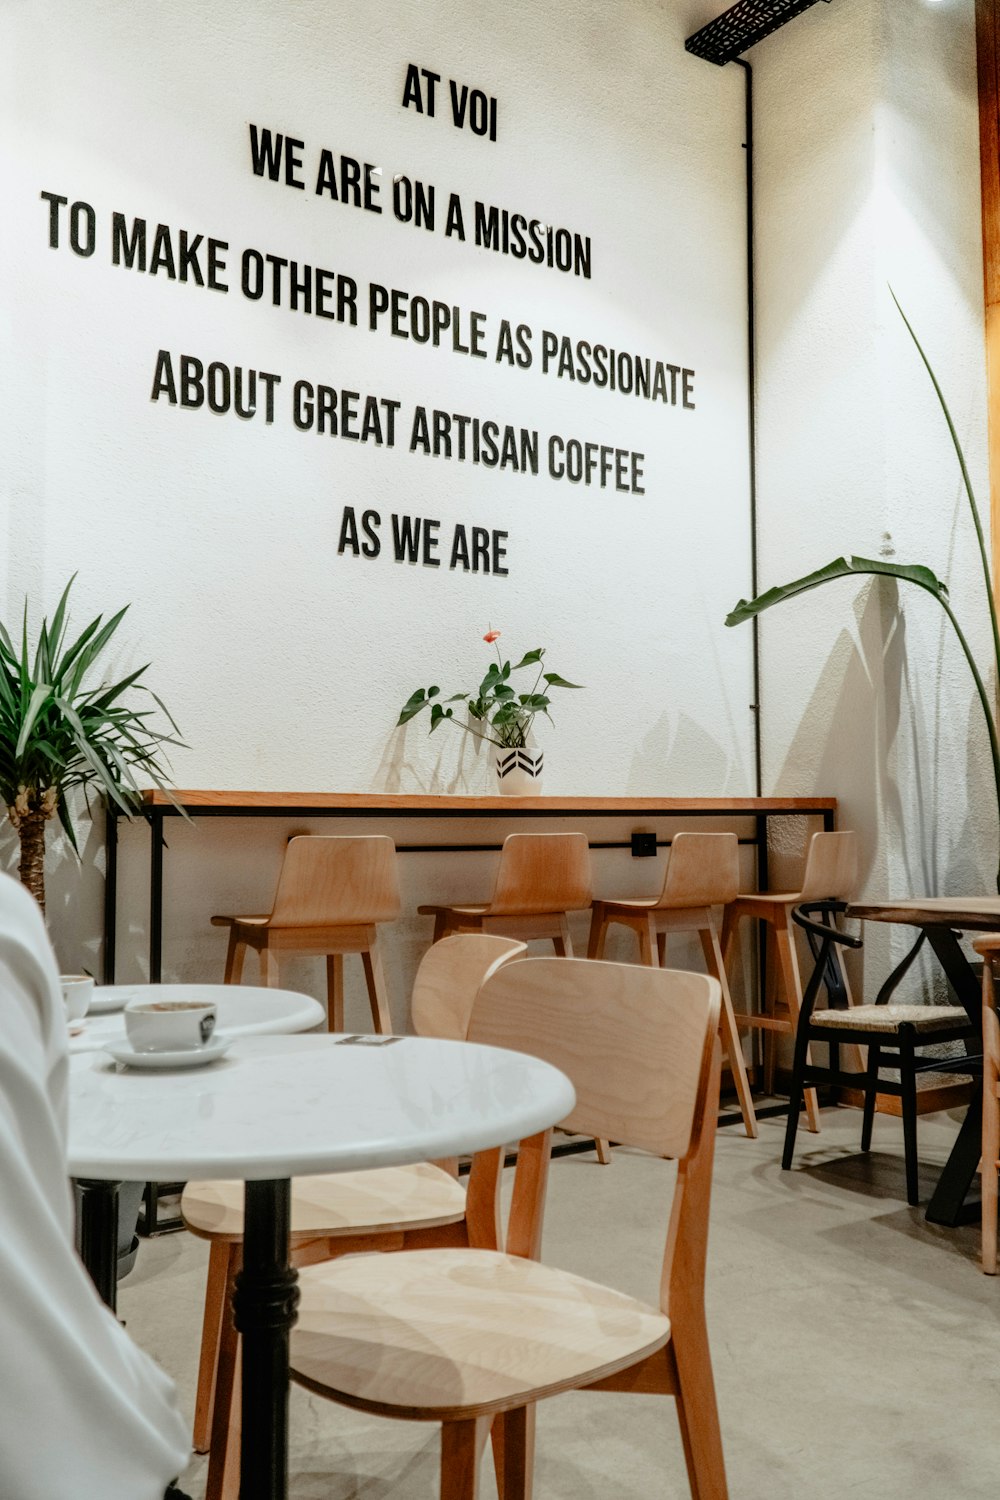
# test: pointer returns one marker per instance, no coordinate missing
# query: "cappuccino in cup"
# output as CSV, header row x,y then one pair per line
x,y
169,1025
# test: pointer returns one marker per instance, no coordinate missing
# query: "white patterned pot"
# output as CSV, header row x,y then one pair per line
x,y
518,770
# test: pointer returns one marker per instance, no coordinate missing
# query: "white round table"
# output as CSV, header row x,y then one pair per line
x,y
243,1010
278,1107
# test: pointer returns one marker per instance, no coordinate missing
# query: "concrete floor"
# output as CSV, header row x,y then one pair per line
x,y
856,1348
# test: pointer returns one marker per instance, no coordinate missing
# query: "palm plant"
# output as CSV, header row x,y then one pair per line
x,y
922,577
59,731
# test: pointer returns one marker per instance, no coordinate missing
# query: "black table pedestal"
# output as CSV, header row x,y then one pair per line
x,y
98,1235
264,1304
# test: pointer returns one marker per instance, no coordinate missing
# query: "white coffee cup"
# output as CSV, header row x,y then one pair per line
x,y
77,993
169,1025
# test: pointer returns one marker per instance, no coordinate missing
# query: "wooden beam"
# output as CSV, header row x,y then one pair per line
x,y
988,54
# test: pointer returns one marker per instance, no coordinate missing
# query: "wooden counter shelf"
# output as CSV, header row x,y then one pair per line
x,y
392,806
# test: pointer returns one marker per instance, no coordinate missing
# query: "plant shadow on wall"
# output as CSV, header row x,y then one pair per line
x,y
914,573
63,733
501,712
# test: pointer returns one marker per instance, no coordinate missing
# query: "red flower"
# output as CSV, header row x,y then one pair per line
x,y
491,636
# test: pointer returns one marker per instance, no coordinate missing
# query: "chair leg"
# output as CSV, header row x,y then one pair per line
x,y
235,954
991,1150
224,1456
661,949
562,941
513,1438
268,965
728,1029
375,978
211,1330
871,1095
697,1412
795,1093
769,1037
334,992
908,1102
598,932
730,928
793,994
647,942
462,1444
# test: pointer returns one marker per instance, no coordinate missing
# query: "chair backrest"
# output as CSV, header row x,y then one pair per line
x,y
640,1047
703,870
337,882
449,978
632,1040
542,872
833,867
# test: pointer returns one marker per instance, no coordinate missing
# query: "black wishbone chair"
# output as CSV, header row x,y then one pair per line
x,y
893,1034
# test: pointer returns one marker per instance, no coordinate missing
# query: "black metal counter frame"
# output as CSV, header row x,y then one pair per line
x,y
761,810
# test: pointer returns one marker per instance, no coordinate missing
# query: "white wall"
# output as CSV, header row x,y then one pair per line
x,y
284,663
868,174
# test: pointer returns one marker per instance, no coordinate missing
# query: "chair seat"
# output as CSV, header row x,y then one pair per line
x,y
889,1018
479,910
451,1333
382,1199
240,921
641,903
767,898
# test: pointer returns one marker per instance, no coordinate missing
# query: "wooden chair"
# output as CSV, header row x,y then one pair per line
x,y
831,874
338,1214
540,878
474,1338
894,1034
332,894
989,948
702,872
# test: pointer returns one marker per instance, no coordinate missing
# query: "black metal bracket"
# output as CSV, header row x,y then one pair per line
x,y
742,26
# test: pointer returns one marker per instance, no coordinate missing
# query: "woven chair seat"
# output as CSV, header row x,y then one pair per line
x,y
887,1019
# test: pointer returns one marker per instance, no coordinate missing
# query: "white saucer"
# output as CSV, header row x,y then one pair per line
x,y
182,1057
104,1002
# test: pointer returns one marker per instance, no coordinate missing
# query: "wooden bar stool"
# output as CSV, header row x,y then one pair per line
x,y
831,874
332,894
702,872
540,878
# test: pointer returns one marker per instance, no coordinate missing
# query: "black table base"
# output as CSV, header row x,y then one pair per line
x,y
98,1235
264,1307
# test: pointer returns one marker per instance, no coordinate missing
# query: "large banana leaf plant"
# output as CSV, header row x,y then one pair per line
x,y
913,573
60,730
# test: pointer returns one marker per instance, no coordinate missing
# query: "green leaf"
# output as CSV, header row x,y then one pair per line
x,y
554,680
842,567
39,697
413,705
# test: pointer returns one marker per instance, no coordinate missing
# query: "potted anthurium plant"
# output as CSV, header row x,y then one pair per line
x,y
499,715
63,727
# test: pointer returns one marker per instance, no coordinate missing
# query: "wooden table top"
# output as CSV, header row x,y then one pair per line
x,y
397,802
970,913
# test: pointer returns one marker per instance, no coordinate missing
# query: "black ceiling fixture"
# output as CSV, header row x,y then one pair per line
x,y
743,24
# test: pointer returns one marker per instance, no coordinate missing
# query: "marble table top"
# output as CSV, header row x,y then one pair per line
x,y
243,1010
285,1106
